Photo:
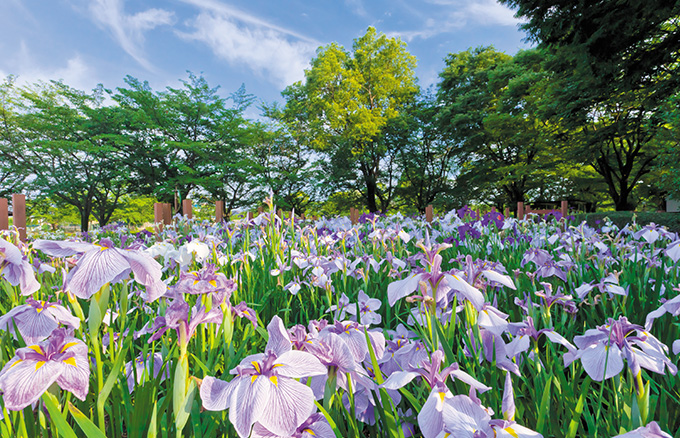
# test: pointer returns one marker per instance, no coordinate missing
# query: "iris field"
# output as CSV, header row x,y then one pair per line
x,y
466,327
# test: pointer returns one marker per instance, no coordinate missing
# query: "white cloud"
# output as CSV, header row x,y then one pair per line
x,y
450,15
128,30
75,73
277,53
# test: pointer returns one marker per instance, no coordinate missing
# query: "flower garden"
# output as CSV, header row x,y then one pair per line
x,y
395,327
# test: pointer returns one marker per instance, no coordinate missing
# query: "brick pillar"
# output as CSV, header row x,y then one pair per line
x,y
4,214
219,211
506,213
564,208
429,214
167,213
187,209
19,214
520,210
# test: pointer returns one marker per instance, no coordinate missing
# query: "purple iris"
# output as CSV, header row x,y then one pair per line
x,y
36,320
103,263
142,369
177,318
316,426
16,269
367,309
603,350
433,286
652,430
61,359
265,389
205,281
430,418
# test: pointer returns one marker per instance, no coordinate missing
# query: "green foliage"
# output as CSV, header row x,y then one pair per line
x,y
622,218
489,111
344,106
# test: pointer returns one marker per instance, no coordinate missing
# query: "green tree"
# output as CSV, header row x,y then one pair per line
x,y
177,134
342,108
425,157
65,143
613,66
489,111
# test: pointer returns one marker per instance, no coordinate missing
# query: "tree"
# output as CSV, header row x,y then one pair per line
x,y
343,107
64,141
489,112
614,65
611,46
425,156
176,136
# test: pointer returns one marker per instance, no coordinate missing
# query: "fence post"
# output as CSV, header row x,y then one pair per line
x,y
507,212
564,208
353,215
19,214
259,210
4,214
520,210
167,213
429,214
219,211
187,208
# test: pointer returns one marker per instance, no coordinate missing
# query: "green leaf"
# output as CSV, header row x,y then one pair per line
x,y
52,405
90,429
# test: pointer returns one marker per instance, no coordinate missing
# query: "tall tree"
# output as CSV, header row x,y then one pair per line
x,y
176,136
614,64
425,155
344,105
489,111
68,147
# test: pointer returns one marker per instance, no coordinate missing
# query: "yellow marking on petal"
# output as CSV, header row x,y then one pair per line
x,y
67,346
309,431
16,363
256,365
245,312
36,348
213,283
71,361
196,282
39,364
277,365
511,431
442,395
253,378
195,274
274,380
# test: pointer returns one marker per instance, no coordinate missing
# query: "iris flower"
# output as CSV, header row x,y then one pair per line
x,y
103,263
603,350
430,418
36,320
16,269
265,389
61,359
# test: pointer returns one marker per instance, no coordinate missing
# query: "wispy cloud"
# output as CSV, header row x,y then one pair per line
x,y
451,15
277,53
128,30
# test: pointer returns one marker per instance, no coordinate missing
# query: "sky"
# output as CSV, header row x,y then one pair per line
x,y
265,45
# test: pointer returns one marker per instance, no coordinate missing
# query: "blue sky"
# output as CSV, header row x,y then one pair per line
x,y
265,45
